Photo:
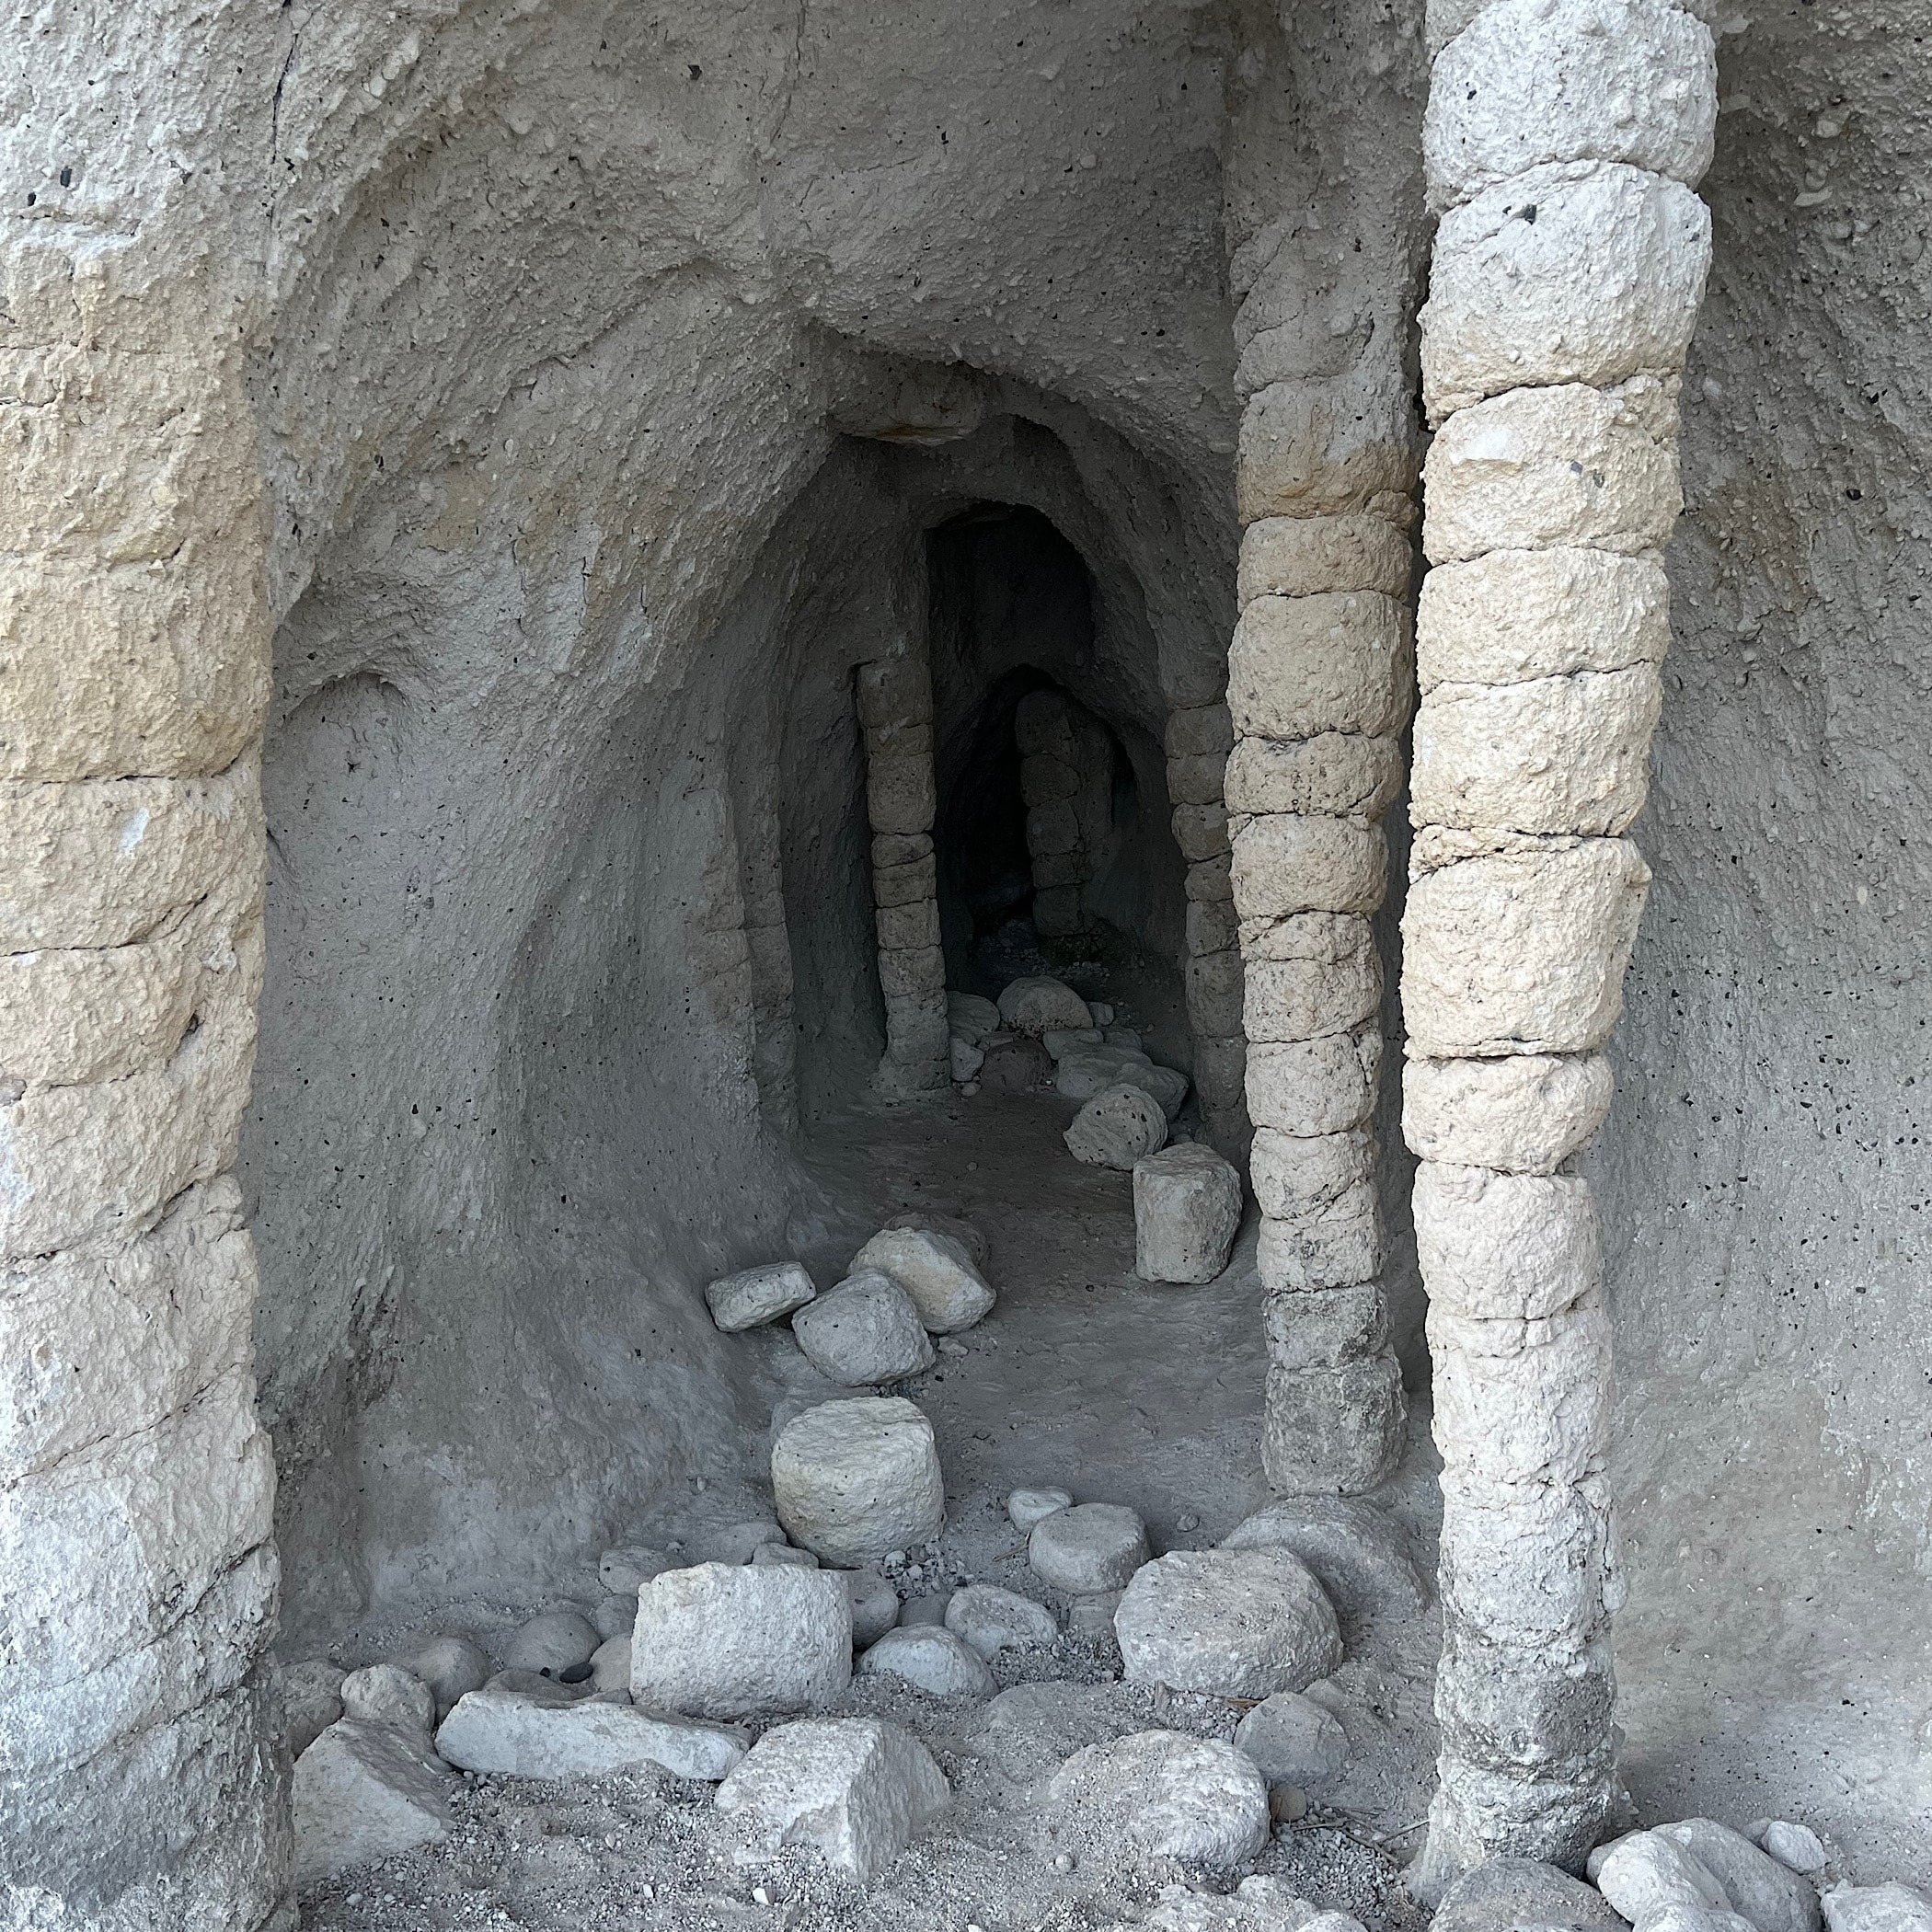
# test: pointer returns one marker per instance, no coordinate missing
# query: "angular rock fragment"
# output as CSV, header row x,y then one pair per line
x,y
549,1734
930,1658
1093,1546
859,1479
1187,1209
1503,1893
1293,1740
866,1331
934,1271
1027,1507
311,1701
991,1620
856,1789
755,1295
386,1693
364,1792
1233,1623
725,1641
1183,1796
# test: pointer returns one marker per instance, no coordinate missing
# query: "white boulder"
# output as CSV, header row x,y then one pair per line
x,y
1187,1208
1293,1740
856,1789
991,1620
866,1331
1088,1550
856,1480
935,1270
1877,1908
930,1658
1027,1507
1038,1005
545,1734
557,1641
364,1792
1186,1798
1795,1845
1117,1127
755,1295
386,1693
729,1642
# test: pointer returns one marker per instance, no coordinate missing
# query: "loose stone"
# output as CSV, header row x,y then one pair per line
x,y
557,1641
856,1478
1183,1796
1092,1547
311,1701
782,1556
1115,1128
610,1664
1027,1507
856,1789
1877,1908
1092,1617
613,1617
1293,1740
386,1693
756,1295
1796,1846
1187,1207
626,1571
1038,1005
543,1734
1507,1892
935,1270
1232,1622
991,1620
1358,1553
919,1610
875,1603
930,1658
364,1792
866,1331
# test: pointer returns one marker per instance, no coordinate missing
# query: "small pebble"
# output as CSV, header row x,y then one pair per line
x,y
760,1896
1063,1863
1188,1522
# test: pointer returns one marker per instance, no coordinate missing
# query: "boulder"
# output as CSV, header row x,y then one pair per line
x,y
931,1658
1258,1903
1092,1547
626,1571
919,1610
1757,1887
1031,1731
386,1693
875,1603
557,1641
533,1684
1116,1128
969,1017
362,1793
964,1060
1507,1892
1358,1553
991,1620
1038,1005
1181,1797
1795,1845
613,1617
782,1556
979,1250
1293,1740
610,1663
855,1788
855,1479
1645,1875
756,1295
1015,1066
1187,1208
935,1270
311,1701
866,1331
1232,1622
731,1641
545,1734
1027,1507
1877,1908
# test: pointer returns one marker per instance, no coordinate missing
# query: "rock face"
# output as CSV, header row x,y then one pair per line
x,y
1117,1127
1038,1005
856,1480
1185,1797
724,1642
935,1270
930,1658
543,1734
1507,1892
1232,1622
386,1693
1293,1740
992,1620
364,1792
1093,1546
866,1331
1358,1553
755,1295
856,1789
1187,1207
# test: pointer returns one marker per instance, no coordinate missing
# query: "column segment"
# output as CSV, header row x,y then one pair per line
x,y
1561,140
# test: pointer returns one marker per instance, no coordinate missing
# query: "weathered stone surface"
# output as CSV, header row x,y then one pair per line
x,y
1031,1731
1302,556
1333,1431
1340,773
1536,469
386,1693
1027,1507
1091,1548
364,1792
899,783
856,1789
972,1017
610,1661
1310,1087
1529,1568
1114,1129
1343,661
1199,731
1322,1328
936,1271
1187,1208
755,1295
557,1641
1522,952
1757,1887
1286,863
1258,1903
1523,1113
1358,1553
614,1616
1796,1846
782,1555
1293,1740
544,1734
1232,1622
1187,1797
979,1250
875,1603
1320,446
1877,1908
1323,1225
729,1642
856,1480
1315,974
1514,616
864,1330
1196,781
1605,283
1507,1892
991,1620
1504,1247
1201,830
930,1658
1644,1874
1526,82
311,1701
452,1666
1034,1004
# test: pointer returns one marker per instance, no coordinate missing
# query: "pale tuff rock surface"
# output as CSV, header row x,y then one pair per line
x,y
1523,1113
1877,1908
546,1734
1187,1797
1115,1128
1507,1892
1037,1004
755,1295
935,1270
932,1659
1358,1553
364,1792
1091,1548
1796,1846
856,1789
1293,1740
626,1569
1187,1207
452,1666
992,1619
864,1330
553,1643
875,1603
723,1642
1027,1507
386,1693
311,1702
610,1662
857,1480
1231,1623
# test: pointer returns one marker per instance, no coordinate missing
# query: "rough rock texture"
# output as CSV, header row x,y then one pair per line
x,y
755,1295
1093,1546
864,1330
1115,1129
992,1619
543,1734
930,1658
1507,1892
935,1270
1293,1740
1187,1207
1358,1553
364,1792
1187,1797
858,1480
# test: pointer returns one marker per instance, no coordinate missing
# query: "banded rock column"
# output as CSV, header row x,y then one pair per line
x,y
1561,140
895,709
138,1577
1067,782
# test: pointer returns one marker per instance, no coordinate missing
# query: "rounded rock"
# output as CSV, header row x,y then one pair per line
x,y
991,1620
1036,1004
856,1478
930,1658
386,1693
1293,1740
453,1666
1027,1507
866,1331
1185,1797
1117,1127
1088,1550
557,1641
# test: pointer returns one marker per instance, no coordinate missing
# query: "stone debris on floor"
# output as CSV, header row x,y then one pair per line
x,y
1187,1211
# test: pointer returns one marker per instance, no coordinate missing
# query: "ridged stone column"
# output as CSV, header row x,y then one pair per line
x,y
1561,139
137,1575
895,709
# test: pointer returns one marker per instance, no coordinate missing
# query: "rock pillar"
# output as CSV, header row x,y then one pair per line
x,y
1066,781
895,710
1561,140
137,1575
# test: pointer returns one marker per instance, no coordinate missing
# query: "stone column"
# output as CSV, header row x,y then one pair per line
x,y
1560,139
137,1575
1066,781
895,708
1198,739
